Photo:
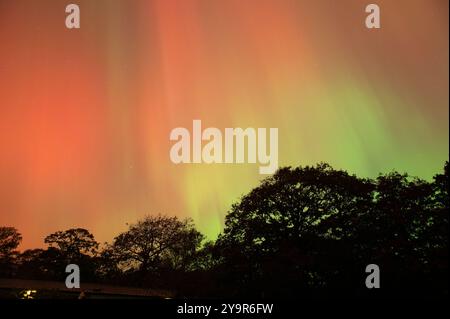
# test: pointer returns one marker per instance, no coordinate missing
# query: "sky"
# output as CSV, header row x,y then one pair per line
x,y
86,114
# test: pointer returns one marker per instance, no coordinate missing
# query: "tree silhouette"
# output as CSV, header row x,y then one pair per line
x,y
156,241
47,263
305,231
73,242
10,239
72,246
315,227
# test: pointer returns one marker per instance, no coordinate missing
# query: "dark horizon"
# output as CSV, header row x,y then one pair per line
x,y
299,224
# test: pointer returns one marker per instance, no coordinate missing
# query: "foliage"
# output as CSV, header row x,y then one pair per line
x,y
305,231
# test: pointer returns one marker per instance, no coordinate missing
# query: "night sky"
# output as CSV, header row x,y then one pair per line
x,y
85,114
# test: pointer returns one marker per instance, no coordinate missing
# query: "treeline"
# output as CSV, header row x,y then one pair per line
x,y
304,232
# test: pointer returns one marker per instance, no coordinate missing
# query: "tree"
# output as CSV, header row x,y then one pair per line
x,y
108,265
207,258
441,186
183,254
157,241
10,239
316,227
41,264
76,245
73,243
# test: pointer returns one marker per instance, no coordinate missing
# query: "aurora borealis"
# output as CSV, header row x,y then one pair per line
x,y
85,115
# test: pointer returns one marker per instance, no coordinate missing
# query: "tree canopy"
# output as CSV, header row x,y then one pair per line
x,y
312,227
155,241
304,231
73,242
10,239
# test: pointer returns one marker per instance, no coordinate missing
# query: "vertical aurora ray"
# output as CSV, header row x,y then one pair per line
x,y
85,115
